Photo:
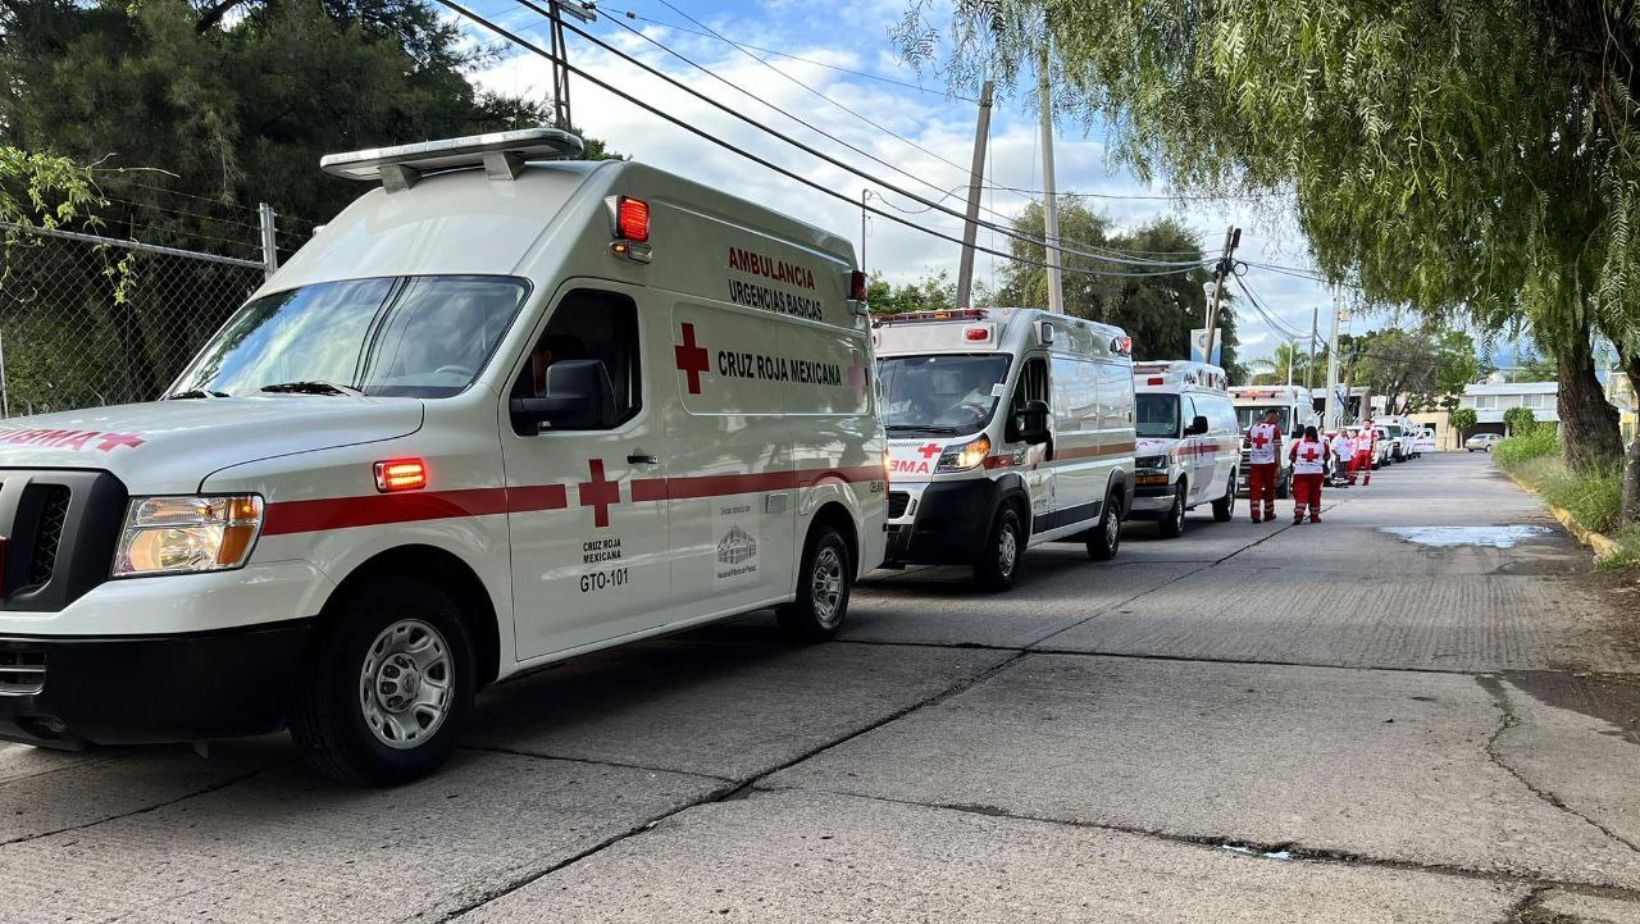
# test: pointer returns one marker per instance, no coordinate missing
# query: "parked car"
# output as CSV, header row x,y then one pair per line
x,y
1482,442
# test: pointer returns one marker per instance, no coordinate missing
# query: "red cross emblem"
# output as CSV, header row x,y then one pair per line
x,y
931,450
692,358
1310,454
110,440
599,493
857,376
1261,441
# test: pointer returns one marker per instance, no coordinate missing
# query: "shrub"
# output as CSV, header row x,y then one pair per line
x,y
1536,443
1520,421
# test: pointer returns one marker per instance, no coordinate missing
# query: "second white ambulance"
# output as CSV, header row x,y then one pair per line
x,y
1007,427
503,410
1189,450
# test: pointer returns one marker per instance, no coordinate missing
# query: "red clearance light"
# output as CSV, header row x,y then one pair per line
x,y
632,219
401,475
857,286
1156,381
976,334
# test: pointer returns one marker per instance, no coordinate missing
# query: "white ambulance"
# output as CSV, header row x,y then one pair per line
x,y
1007,428
503,410
1294,408
1189,444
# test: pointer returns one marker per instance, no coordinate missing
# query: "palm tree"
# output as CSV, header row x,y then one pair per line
x,y
1287,358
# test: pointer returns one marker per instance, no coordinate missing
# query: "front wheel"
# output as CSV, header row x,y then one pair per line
x,y
998,563
1106,538
822,589
390,686
1224,509
1173,520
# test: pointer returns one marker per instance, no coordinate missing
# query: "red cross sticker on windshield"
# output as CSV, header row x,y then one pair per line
x,y
1261,441
692,358
931,450
599,493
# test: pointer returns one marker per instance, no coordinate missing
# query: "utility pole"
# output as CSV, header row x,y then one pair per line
x,y
1292,353
976,176
1331,413
863,194
560,55
270,241
1226,266
1309,371
1050,206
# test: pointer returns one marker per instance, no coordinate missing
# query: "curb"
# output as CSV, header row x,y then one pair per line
x,y
1602,546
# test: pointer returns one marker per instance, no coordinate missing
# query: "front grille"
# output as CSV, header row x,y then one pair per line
x,y
22,671
48,536
897,502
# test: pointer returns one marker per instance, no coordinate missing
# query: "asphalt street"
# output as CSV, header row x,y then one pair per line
x,y
1401,714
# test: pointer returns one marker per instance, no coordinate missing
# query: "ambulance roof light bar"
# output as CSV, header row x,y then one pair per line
x,y
921,317
502,155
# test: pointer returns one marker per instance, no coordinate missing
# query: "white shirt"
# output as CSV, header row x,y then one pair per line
x,y
1262,438
1309,458
1343,447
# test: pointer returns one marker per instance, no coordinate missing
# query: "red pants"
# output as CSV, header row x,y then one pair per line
x,y
1307,492
1361,463
1261,486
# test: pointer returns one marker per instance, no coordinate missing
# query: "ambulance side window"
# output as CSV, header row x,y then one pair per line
x,y
1032,386
589,324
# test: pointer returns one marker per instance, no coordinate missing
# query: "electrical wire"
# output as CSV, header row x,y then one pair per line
x,y
572,68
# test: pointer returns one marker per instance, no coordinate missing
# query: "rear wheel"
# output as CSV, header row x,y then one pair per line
x,y
390,686
1106,537
1173,520
1224,509
822,588
999,559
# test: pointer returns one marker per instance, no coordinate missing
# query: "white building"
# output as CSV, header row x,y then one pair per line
x,y
1491,399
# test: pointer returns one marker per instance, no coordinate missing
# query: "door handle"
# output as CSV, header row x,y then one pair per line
x,y
639,458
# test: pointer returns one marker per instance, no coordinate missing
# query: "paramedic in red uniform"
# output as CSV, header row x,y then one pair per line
x,y
1366,449
1309,458
1263,442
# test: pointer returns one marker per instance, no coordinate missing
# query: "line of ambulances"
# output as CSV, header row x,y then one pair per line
x,y
510,407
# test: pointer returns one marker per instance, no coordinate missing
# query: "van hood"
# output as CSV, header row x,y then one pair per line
x,y
171,446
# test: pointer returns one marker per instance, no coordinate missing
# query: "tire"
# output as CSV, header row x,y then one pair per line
x,y
1224,509
1172,522
823,584
1106,537
354,721
1004,548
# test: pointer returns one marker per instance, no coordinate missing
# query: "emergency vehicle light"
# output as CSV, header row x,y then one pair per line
x,y
857,286
915,317
401,475
631,219
501,153
979,333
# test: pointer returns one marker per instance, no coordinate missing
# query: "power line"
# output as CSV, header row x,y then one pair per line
x,y
730,146
1186,197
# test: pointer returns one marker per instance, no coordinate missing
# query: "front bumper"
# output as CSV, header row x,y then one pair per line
x,y
1150,500
66,692
946,525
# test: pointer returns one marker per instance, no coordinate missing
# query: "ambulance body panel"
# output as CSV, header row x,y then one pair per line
x,y
611,422
1189,445
965,451
1294,409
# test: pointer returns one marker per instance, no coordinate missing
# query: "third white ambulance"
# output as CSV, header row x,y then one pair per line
x,y
1007,427
503,410
1189,443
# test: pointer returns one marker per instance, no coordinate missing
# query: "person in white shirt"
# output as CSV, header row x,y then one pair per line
x,y
1343,450
1263,442
1309,458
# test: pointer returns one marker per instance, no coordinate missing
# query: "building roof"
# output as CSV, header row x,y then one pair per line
x,y
1514,388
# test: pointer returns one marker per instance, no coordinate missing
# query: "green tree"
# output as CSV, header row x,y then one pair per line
x,y
1463,420
1157,311
935,292
1520,421
1468,156
1290,362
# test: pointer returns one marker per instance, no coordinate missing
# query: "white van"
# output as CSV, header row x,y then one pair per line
x,y
1294,408
1189,446
1007,428
502,411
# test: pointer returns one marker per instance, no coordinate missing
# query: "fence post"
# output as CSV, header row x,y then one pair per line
x,y
5,404
270,247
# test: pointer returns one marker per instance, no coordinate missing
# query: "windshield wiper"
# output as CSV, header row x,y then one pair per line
x,y
313,387
194,393
901,428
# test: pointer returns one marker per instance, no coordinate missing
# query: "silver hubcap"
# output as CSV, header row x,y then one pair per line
x,y
405,685
1007,552
1178,507
1113,529
826,587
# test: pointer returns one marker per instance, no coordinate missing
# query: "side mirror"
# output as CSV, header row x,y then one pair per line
x,y
1198,426
579,397
1033,422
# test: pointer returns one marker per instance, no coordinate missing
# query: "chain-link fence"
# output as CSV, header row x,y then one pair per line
x,y
87,320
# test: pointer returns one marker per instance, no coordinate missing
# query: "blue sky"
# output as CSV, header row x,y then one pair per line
x,y
856,36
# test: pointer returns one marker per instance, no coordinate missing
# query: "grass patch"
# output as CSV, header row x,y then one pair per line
x,y
1594,497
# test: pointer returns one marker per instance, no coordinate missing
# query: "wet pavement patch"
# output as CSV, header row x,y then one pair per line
x,y
1448,537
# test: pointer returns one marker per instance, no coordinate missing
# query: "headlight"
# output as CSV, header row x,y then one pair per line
x,y
1150,462
180,535
969,455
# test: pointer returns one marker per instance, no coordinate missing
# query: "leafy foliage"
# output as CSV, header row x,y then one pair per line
x,y
1463,420
1520,421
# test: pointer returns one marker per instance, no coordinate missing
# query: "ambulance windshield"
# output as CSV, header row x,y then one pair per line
x,y
941,394
416,336
1158,416
1249,415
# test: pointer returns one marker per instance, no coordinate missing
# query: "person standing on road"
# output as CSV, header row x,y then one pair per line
x,y
1366,450
1343,456
1263,442
1309,457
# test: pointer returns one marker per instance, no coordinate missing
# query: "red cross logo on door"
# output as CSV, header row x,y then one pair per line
x,y
930,451
599,493
692,358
